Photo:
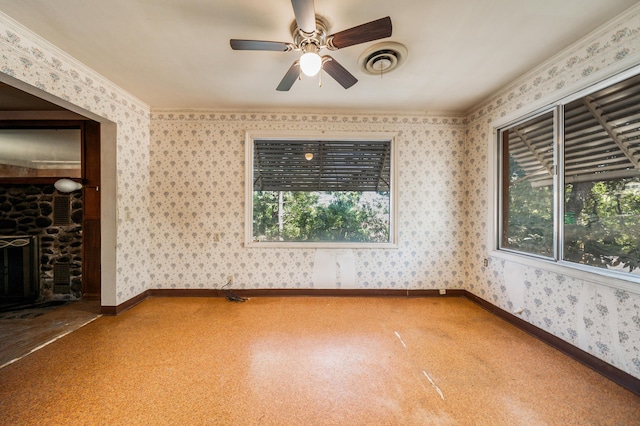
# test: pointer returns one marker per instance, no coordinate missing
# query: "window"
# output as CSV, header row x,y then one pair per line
x,y
322,191
527,186
569,181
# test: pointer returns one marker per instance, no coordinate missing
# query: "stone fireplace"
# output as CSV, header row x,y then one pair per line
x,y
53,221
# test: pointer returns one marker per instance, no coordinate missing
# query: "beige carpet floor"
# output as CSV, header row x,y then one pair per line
x,y
306,361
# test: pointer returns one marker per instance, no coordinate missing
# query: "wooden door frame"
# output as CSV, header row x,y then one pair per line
x,y
91,241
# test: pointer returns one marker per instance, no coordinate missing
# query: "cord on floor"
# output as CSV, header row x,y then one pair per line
x,y
231,296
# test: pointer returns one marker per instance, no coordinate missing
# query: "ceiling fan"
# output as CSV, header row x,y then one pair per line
x,y
310,37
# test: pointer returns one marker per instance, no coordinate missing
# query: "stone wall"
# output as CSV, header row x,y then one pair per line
x,y
29,210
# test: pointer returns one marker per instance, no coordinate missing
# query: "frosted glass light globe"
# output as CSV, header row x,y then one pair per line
x,y
310,63
67,185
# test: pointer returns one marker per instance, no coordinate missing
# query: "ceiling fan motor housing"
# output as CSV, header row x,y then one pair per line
x,y
318,38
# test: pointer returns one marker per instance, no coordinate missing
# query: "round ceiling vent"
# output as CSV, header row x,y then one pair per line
x,y
382,58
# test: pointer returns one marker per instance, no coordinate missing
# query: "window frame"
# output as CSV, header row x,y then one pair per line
x,y
315,136
607,277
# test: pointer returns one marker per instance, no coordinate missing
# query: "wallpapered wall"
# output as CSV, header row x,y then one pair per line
x,y
601,320
183,181
31,59
197,190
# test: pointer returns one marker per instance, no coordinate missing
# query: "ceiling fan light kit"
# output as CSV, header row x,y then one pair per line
x,y
310,61
309,37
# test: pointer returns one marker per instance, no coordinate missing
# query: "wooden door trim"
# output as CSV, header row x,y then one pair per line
x,y
91,283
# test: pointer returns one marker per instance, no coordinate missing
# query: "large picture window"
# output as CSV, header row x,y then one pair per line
x,y
569,181
332,190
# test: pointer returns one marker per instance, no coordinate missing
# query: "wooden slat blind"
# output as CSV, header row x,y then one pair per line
x,y
280,165
602,138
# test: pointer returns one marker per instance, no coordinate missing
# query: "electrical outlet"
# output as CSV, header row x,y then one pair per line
x,y
486,263
443,291
229,279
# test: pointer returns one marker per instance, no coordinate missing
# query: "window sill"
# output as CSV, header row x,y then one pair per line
x,y
328,245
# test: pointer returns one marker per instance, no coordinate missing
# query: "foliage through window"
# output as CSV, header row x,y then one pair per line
x,y
319,192
574,172
527,177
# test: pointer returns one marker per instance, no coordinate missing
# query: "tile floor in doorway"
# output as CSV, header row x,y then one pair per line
x,y
23,331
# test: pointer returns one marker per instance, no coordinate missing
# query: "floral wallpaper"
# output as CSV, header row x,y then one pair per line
x,y
599,319
197,191
31,59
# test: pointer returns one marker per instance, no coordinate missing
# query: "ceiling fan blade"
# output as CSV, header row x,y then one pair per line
x,y
370,31
338,72
305,15
276,46
290,77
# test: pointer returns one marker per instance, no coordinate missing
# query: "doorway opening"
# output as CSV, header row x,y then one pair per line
x,y
64,227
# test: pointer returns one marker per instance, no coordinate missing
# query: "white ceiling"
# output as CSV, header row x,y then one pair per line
x,y
176,53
